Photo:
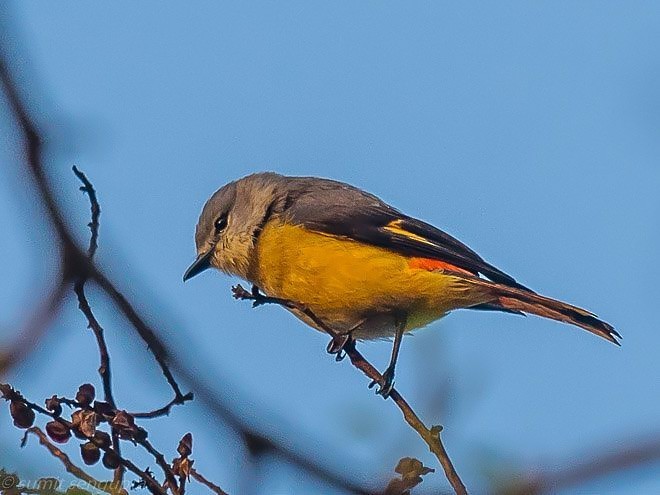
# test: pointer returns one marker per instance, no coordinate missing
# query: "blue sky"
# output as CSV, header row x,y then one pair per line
x,y
529,130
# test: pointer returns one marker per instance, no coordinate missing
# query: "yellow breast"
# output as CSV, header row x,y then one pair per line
x,y
344,281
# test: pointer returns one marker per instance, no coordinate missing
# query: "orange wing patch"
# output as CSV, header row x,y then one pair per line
x,y
433,265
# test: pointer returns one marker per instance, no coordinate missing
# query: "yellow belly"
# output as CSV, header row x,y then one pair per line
x,y
344,281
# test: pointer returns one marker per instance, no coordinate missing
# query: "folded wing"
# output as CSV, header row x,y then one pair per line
x,y
340,209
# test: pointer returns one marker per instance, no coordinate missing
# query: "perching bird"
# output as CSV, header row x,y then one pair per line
x,y
359,265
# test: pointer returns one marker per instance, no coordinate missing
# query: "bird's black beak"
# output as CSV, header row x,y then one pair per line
x,y
201,263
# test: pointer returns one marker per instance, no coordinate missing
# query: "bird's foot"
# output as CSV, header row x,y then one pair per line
x,y
338,345
386,385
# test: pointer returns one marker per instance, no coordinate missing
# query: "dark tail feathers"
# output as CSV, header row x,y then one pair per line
x,y
512,299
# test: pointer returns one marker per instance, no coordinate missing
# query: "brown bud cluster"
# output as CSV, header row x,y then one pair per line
x,y
86,417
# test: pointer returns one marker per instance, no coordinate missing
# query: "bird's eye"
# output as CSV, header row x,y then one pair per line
x,y
220,224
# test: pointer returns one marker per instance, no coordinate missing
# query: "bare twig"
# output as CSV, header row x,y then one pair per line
x,y
160,460
430,436
95,326
211,486
93,225
92,323
104,368
145,331
105,486
165,410
33,159
619,457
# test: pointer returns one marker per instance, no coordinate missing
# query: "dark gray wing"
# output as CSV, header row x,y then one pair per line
x,y
343,210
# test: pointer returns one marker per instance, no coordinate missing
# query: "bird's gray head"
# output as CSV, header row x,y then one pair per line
x,y
230,222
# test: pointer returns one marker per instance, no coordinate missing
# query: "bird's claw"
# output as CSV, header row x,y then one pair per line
x,y
386,384
338,345
257,297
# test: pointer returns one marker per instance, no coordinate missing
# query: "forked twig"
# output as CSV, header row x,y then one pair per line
x,y
83,304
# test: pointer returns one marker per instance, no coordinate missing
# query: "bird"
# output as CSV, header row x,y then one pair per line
x,y
357,264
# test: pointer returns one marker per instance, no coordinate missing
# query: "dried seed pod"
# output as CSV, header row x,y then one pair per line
x,y
185,445
90,453
110,460
88,423
124,424
86,394
123,420
58,432
53,405
102,439
84,423
22,415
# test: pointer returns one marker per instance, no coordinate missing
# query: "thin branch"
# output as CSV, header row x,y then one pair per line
x,y
634,454
145,331
165,410
150,482
79,289
211,486
92,323
104,486
95,326
119,471
35,327
93,225
33,153
430,436
104,367
160,460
